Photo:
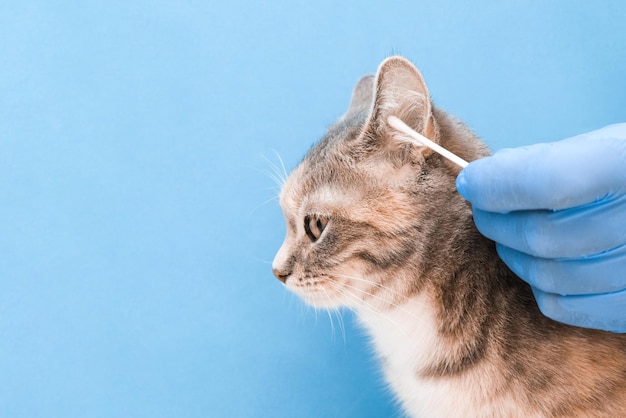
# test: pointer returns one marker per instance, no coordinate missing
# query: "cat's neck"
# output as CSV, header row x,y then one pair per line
x,y
403,333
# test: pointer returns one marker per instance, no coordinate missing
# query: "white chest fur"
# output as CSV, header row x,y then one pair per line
x,y
406,340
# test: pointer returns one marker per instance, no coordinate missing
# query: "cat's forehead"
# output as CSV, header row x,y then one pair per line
x,y
313,192
330,198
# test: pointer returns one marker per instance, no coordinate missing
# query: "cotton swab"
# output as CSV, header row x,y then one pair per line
x,y
397,124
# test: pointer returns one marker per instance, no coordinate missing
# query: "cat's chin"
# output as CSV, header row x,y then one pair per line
x,y
319,298
322,301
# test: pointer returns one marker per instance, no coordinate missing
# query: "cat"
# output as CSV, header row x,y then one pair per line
x,y
375,224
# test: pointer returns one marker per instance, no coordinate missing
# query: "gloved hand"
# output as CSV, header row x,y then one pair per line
x,y
558,215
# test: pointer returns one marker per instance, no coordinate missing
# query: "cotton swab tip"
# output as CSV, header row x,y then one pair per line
x,y
399,125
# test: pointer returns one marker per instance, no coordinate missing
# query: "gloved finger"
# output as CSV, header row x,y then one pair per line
x,y
602,273
569,233
556,175
604,311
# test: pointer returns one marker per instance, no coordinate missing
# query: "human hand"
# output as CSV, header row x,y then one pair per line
x,y
557,212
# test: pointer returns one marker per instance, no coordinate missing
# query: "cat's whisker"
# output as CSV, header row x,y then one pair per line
x,y
341,324
262,204
273,164
272,172
260,260
305,310
273,175
379,297
366,305
278,174
332,326
282,165
374,295
335,312
330,318
386,289
390,303
377,285
274,187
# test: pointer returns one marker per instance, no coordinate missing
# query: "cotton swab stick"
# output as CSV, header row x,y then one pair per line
x,y
397,124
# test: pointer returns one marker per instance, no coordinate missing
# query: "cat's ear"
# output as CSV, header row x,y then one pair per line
x,y
400,91
362,97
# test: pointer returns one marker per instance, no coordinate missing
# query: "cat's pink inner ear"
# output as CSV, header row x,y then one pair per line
x,y
401,92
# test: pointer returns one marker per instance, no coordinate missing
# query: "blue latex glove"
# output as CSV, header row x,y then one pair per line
x,y
558,215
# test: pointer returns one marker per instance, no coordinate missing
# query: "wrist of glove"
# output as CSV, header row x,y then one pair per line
x,y
558,215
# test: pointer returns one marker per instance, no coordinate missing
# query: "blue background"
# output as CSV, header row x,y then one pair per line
x,y
136,220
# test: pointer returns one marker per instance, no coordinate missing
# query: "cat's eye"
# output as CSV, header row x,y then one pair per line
x,y
314,226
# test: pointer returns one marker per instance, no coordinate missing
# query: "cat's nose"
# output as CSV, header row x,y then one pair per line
x,y
280,275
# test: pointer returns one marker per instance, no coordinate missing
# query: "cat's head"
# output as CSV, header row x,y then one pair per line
x,y
359,206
